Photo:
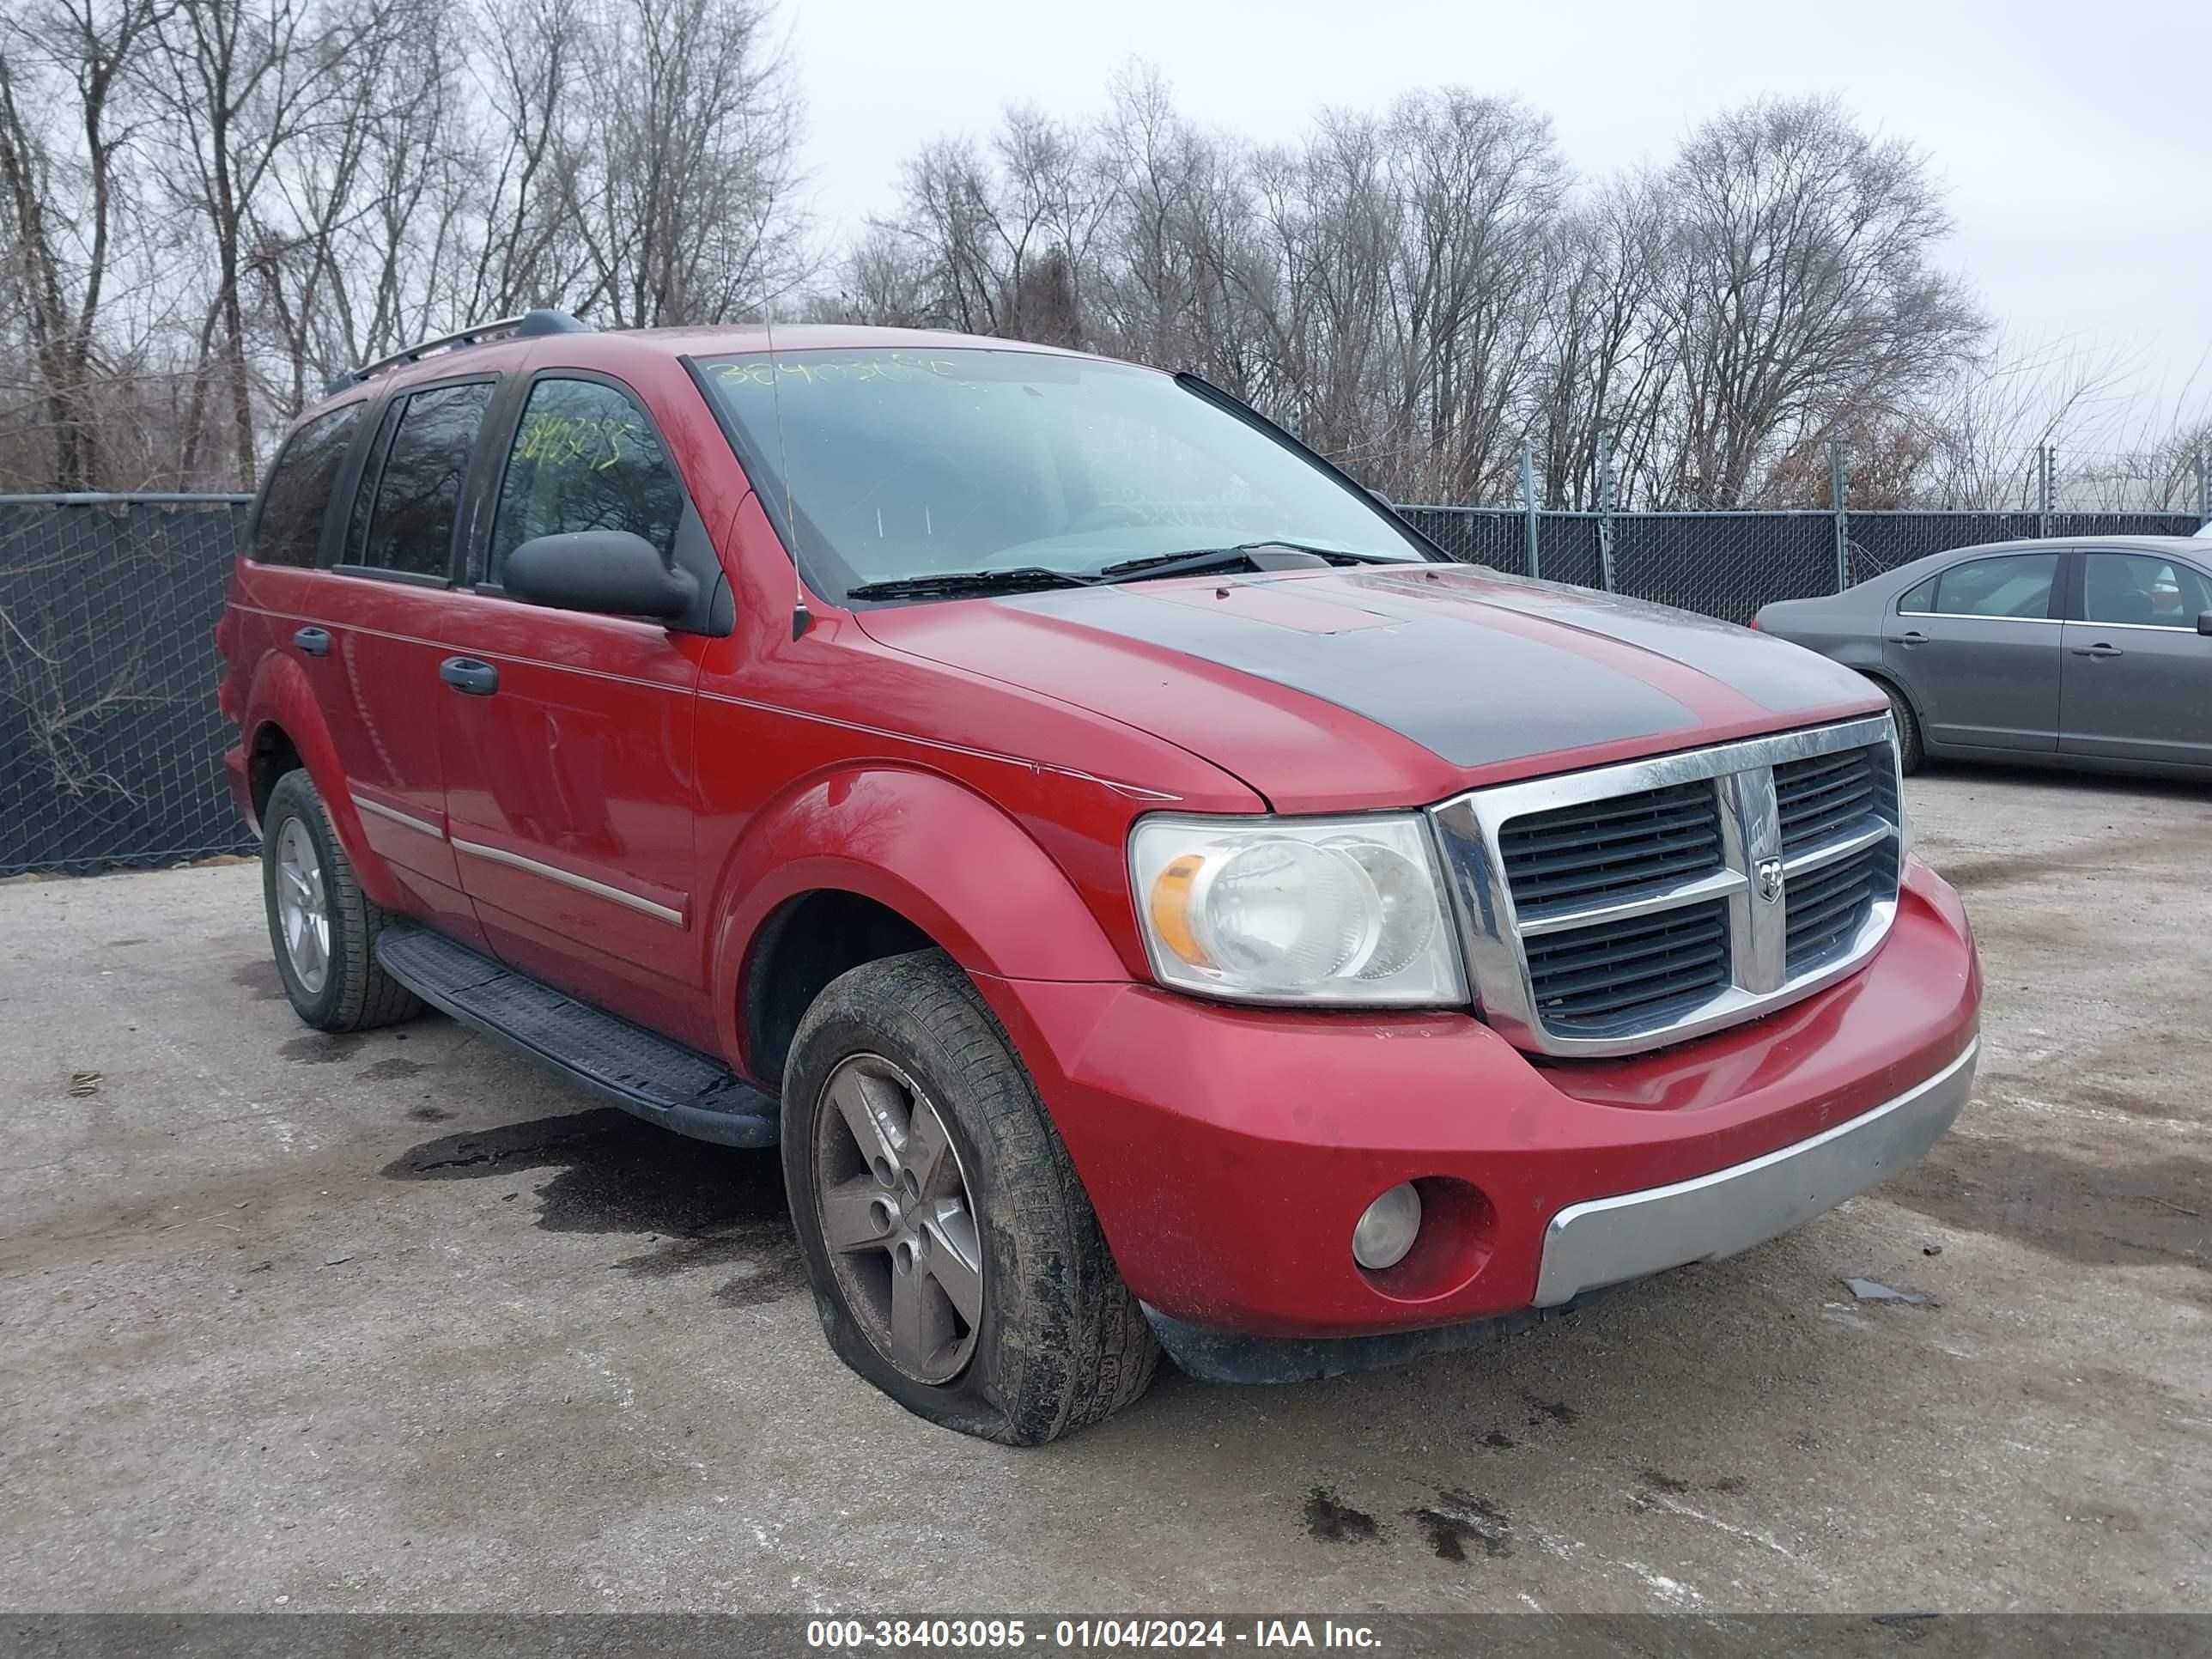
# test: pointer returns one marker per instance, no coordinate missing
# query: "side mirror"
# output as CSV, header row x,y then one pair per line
x,y
612,572
2204,622
1385,500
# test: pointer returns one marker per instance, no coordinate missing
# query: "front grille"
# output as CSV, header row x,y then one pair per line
x,y
1822,795
1602,851
1827,906
1627,972
1616,909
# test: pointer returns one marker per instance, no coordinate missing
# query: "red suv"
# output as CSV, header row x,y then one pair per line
x,y
1153,896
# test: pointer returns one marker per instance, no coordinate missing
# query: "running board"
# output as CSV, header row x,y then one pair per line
x,y
661,1081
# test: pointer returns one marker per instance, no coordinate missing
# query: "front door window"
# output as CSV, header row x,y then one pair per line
x,y
585,457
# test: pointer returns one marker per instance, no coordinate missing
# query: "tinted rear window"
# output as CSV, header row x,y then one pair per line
x,y
410,528
299,484
2014,584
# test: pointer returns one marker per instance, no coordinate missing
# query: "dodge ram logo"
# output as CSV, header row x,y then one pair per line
x,y
1770,880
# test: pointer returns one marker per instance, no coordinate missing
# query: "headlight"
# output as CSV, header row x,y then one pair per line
x,y
1347,910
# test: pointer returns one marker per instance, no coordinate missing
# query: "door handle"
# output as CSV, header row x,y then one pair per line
x,y
466,674
313,642
2100,650
1911,637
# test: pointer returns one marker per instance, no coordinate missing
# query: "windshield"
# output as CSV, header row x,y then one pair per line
x,y
922,462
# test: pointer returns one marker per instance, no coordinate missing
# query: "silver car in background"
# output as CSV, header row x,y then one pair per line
x,y
2089,651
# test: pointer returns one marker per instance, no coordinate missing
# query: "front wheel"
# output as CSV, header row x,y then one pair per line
x,y
956,1261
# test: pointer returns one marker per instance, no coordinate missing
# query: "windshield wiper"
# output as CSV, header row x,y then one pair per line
x,y
1196,559
950,584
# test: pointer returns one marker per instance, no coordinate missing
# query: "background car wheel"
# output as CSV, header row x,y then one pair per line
x,y
956,1261
322,926
1909,751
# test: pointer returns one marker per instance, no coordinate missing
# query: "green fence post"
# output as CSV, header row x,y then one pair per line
x,y
1843,514
1605,512
1528,508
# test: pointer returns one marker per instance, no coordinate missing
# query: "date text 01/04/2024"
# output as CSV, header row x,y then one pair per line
x,y
1075,1635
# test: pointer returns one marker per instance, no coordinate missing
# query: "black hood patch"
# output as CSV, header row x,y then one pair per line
x,y
1474,696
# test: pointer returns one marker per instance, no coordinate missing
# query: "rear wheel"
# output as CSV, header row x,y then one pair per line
x,y
956,1261
1910,753
324,928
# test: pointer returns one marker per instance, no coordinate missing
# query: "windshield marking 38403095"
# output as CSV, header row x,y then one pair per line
x,y
931,473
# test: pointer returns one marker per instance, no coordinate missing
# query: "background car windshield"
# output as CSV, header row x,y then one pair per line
x,y
914,462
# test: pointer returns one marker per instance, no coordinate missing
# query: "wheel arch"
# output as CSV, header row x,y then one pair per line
x,y
869,861
270,754
1891,682
807,941
283,727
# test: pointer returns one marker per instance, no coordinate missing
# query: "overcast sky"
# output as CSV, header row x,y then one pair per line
x,y
2075,141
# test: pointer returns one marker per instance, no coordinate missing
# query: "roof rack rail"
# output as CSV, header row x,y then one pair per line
x,y
528,326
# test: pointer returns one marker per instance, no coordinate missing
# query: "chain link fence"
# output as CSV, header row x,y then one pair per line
x,y
1727,564
111,746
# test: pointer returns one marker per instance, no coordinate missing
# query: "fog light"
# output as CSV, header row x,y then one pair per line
x,y
1386,1231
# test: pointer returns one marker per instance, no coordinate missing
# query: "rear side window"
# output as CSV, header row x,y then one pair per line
x,y
2016,585
418,494
585,457
1919,599
299,484
364,494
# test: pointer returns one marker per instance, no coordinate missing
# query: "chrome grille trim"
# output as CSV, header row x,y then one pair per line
x,y
1759,976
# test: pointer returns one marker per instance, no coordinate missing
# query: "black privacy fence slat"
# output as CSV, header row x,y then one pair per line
x,y
1724,564
111,747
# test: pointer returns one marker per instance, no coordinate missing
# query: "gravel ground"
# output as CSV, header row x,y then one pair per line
x,y
399,1322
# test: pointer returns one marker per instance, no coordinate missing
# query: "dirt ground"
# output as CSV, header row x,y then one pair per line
x,y
399,1322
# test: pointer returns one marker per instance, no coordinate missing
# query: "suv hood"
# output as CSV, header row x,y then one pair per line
x,y
1373,687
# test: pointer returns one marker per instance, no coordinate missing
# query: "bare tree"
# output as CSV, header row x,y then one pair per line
x,y
1984,425
682,193
63,261
1800,290
527,69
238,81
1419,290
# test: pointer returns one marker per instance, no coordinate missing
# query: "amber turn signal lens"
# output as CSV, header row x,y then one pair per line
x,y
1171,908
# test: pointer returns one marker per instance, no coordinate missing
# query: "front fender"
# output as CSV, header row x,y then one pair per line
x,y
939,854
281,696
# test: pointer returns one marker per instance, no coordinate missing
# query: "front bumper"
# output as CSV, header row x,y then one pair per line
x,y
1228,1151
1603,1240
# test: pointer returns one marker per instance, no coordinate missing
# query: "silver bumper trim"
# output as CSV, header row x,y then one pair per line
x,y
1607,1239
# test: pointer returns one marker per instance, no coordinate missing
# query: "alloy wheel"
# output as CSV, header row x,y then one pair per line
x,y
898,1219
303,913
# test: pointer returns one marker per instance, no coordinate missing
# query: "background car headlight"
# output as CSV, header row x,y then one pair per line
x,y
1344,910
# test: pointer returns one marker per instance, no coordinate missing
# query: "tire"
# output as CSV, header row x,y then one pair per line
x,y
1910,749
353,994
1058,1342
